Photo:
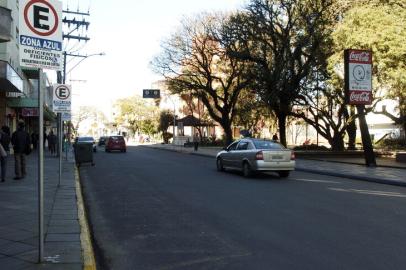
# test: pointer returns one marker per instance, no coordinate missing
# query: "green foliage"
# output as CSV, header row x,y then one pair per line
x,y
311,147
137,114
165,120
392,144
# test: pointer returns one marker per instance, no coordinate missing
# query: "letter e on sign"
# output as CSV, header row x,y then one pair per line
x,y
41,17
62,92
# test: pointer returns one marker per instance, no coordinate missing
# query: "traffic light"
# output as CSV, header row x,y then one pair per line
x,y
151,93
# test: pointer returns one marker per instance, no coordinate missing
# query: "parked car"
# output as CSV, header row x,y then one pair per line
x,y
252,155
115,142
102,141
87,139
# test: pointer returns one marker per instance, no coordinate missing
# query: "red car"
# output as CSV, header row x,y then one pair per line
x,y
115,142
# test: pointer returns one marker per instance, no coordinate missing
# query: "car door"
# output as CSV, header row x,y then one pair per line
x,y
239,154
227,156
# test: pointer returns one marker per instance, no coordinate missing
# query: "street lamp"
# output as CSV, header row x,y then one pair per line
x,y
77,55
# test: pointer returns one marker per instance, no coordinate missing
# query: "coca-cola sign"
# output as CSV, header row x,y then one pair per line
x,y
360,56
358,77
357,97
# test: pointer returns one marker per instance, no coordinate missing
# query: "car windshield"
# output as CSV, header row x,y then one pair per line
x,y
85,139
267,145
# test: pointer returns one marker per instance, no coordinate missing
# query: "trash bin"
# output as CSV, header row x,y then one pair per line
x,y
83,153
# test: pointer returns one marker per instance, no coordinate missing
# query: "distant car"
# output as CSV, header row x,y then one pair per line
x,y
87,139
102,141
253,155
115,142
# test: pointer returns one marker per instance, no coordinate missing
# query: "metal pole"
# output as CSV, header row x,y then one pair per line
x,y
60,148
40,170
174,122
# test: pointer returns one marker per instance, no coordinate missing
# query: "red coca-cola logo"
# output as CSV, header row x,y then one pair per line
x,y
358,56
359,97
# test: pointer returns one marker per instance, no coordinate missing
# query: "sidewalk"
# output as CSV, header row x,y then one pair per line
x,y
19,217
388,171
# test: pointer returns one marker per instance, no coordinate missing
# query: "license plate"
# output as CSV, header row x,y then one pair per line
x,y
277,157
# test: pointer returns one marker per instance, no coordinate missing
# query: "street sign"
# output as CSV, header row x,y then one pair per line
x,y
358,77
41,34
66,116
151,93
62,98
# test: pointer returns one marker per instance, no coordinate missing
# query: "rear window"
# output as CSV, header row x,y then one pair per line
x,y
267,145
117,138
85,139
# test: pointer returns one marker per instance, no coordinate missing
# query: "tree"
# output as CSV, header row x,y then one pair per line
x,y
133,111
379,25
88,113
165,119
252,113
194,61
283,39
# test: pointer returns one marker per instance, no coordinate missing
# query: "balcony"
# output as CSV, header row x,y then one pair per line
x,y
5,24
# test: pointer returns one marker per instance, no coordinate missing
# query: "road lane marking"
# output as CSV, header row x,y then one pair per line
x,y
316,181
371,192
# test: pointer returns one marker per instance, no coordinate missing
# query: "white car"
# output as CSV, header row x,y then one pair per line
x,y
252,155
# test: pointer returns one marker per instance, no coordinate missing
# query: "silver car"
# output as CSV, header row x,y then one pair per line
x,y
251,155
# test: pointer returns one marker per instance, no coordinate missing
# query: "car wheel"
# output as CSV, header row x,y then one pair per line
x,y
283,174
246,169
219,163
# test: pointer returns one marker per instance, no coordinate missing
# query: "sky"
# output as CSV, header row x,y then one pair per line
x,y
129,32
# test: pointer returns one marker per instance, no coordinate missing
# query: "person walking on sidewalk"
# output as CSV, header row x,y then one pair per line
x,y
21,145
5,143
52,142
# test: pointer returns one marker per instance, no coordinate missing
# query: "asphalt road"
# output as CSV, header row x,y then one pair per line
x,y
155,209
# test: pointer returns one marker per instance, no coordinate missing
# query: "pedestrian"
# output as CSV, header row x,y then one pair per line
x,y
45,139
196,142
275,137
5,144
34,140
52,142
22,147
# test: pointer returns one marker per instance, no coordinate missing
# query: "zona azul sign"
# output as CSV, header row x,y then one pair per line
x,y
41,34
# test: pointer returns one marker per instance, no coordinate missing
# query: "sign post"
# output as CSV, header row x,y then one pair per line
x,y
61,104
358,91
40,43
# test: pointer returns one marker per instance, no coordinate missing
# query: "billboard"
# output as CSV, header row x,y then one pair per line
x,y
358,77
40,36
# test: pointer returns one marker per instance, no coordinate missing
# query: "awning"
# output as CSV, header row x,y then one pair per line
x,y
30,103
10,81
22,102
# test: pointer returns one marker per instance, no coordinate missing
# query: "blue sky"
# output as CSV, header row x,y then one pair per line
x,y
129,32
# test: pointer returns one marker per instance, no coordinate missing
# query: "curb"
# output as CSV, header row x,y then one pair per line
x,y
355,177
329,173
362,164
89,262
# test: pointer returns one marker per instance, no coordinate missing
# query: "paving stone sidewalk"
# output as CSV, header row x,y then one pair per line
x,y
19,217
385,175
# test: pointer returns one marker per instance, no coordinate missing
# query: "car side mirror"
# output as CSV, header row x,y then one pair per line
x,y
225,149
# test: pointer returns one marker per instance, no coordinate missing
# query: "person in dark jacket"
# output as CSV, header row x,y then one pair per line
x,y
5,143
21,143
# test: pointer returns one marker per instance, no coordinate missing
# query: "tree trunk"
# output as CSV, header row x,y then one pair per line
x,y
282,128
351,130
337,143
228,133
352,134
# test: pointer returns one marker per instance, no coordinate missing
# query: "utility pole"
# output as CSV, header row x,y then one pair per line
x,y
77,24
